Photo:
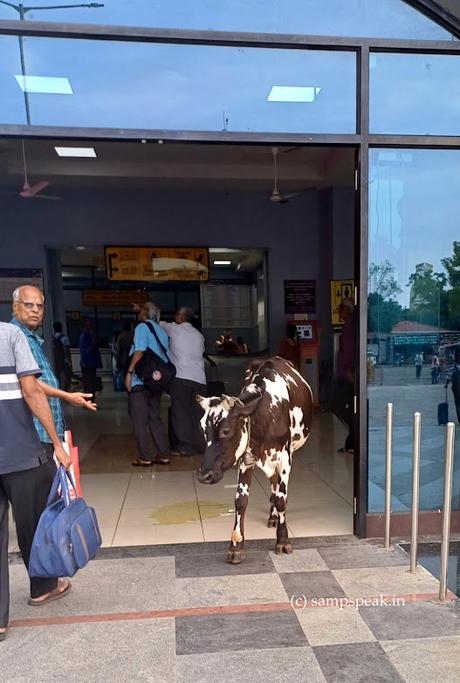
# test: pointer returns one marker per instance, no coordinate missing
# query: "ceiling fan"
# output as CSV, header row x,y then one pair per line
x,y
276,196
29,191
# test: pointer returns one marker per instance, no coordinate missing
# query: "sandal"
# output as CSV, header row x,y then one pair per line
x,y
142,463
55,594
345,450
2,634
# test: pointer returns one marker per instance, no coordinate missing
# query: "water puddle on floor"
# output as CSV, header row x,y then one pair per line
x,y
180,513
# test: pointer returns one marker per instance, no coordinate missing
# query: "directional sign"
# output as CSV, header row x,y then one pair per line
x,y
148,264
113,297
340,290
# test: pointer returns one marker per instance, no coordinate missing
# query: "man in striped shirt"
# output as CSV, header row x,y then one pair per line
x,y
28,309
26,470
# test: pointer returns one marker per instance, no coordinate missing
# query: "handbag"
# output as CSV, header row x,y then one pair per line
x,y
155,373
67,535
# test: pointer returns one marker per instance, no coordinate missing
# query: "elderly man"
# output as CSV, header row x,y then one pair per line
x,y
144,406
28,309
187,349
27,468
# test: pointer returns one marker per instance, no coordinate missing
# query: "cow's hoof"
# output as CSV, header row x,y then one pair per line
x,y
272,522
236,556
281,548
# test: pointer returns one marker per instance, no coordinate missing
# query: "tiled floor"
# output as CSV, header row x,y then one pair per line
x,y
168,505
336,610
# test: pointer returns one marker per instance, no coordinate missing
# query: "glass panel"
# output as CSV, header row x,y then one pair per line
x,y
414,316
86,83
372,18
414,94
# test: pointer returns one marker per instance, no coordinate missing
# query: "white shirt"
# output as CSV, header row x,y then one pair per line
x,y
186,348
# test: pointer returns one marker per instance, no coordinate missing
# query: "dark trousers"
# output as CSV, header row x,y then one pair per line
x,y
343,408
27,491
144,409
89,378
418,371
186,415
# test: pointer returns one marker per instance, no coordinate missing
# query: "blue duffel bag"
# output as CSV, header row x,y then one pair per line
x,y
67,535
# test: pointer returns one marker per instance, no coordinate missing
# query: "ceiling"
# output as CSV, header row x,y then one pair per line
x,y
176,165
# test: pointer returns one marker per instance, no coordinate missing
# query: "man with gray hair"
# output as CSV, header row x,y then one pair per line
x,y
187,349
144,406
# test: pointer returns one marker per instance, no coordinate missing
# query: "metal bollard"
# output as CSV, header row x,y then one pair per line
x,y
447,509
415,490
388,456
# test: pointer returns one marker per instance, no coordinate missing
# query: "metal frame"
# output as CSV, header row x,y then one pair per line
x,y
362,141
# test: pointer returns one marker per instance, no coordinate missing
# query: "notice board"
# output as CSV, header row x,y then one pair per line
x,y
299,296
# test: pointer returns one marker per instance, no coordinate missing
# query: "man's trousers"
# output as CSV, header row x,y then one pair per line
x,y
27,492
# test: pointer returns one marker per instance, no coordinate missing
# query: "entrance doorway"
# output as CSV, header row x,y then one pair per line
x,y
289,209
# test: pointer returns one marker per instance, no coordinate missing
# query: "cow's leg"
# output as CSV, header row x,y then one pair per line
x,y
273,512
284,469
236,551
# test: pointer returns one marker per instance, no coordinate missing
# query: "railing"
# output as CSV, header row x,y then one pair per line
x,y
447,502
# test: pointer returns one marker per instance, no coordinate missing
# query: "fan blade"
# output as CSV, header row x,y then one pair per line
x,y
34,189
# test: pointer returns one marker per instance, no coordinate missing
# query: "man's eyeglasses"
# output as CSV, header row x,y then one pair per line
x,y
30,305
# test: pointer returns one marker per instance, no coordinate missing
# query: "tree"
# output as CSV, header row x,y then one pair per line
x,y
427,295
383,309
382,280
452,266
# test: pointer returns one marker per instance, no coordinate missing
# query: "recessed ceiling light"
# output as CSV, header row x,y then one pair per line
x,y
44,84
286,93
80,248
76,151
222,263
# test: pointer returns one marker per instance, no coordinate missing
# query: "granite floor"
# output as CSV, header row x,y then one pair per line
x,y
337,610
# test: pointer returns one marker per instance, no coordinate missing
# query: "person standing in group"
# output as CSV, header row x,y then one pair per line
x,y
345,375
62,357
453,378
289,348
144,406
27,467
435,369
186,353
418,364
90,359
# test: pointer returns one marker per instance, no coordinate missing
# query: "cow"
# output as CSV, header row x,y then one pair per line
x,y
263,426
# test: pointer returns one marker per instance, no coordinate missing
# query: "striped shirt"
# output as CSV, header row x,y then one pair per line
x,y
20,447
48,377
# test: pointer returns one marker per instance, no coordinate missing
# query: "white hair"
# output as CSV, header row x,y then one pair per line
x,y
152,310
17,292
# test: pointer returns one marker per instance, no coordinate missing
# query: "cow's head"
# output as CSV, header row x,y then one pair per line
x,y
225,428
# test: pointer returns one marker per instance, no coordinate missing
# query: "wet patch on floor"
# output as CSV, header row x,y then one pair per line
x,y
187,511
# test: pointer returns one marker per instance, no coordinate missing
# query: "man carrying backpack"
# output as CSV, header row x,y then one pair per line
x,y
144,405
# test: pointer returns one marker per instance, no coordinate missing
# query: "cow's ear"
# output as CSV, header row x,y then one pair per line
x,y
204,402
247,408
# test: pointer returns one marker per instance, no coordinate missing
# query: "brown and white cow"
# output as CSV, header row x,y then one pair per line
x,y
270,419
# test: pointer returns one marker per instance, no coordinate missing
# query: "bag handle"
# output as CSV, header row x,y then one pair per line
x,y
153,331
62,478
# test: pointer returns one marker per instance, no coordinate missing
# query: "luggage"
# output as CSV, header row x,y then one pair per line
x,y
67,535
443,412
215,387
155,373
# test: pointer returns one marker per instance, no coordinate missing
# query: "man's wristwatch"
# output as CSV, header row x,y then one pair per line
x,y
130,372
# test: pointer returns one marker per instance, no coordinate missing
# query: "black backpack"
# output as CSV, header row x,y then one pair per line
x,y
155,373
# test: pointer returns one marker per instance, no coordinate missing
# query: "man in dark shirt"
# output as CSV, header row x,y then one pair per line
x,y
345,375
26,469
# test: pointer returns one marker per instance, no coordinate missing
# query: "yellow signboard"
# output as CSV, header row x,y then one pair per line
x,y
113,297
148,264
340,290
